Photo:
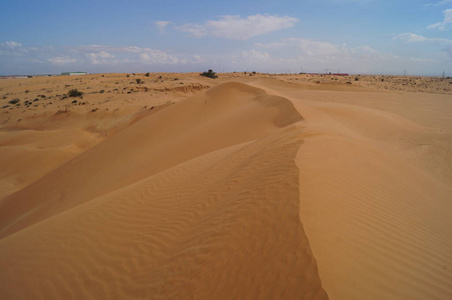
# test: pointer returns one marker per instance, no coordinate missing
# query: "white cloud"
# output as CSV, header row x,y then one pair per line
x,y
157,57
161,25
297,54
62,60
12,44
103,54
413,38
446,23
101,57
235,27
278,56
438,3
12,48
255,55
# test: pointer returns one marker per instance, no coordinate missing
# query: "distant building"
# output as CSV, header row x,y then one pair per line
x,y
14,76
74,73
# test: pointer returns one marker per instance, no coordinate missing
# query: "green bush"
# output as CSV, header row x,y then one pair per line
x,y
147,74
210,74
75,93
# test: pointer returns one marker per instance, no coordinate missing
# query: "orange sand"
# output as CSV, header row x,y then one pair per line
x,y
244,187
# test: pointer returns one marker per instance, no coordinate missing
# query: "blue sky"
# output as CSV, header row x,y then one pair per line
x,y
353,36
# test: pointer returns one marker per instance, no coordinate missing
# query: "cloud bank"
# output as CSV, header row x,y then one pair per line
x,y
446,23
235,27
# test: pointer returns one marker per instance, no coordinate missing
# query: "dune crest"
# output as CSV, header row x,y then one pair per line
x,y
222,224
280,186
201,124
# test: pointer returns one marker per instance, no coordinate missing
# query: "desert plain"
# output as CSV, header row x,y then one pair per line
x,y
249,186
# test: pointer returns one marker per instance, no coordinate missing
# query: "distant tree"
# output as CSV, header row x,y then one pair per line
x,y
210,74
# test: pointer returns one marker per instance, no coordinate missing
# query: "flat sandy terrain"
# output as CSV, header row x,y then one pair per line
x,y
249,186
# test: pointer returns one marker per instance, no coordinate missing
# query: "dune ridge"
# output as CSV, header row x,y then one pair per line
x,y
222,223
206,122
370,191
269,186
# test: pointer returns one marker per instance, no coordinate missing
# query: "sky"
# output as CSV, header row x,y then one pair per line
x,y
286,36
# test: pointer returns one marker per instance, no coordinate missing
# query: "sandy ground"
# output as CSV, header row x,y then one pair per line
x,y
249,186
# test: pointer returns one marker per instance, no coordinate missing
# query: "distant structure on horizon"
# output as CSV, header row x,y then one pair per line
x,y
74,73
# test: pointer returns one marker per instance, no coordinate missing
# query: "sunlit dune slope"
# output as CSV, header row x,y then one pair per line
x,y
280,187
212,212
226,115
375,192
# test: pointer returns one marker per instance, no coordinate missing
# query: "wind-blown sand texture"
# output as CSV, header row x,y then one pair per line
x,y
243,187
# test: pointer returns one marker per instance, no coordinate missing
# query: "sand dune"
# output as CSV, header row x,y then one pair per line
x,y
260,187
191,128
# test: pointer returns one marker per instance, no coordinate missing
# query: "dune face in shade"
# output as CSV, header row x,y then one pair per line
x,y
243,187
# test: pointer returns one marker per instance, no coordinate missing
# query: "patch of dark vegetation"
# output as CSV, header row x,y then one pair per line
x,y
209,74
75,93
15,101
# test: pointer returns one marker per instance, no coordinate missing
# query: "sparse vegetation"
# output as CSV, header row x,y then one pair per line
x,y
15,101
75,93
139,81
147,74
209,74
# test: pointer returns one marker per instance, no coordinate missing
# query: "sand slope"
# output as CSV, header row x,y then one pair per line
x,y
204,123
375,194
268,187
223,223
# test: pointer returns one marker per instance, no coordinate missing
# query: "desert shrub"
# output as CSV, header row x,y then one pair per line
x,y
210,74
15,101
75,93
139,81
102,91
147,74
